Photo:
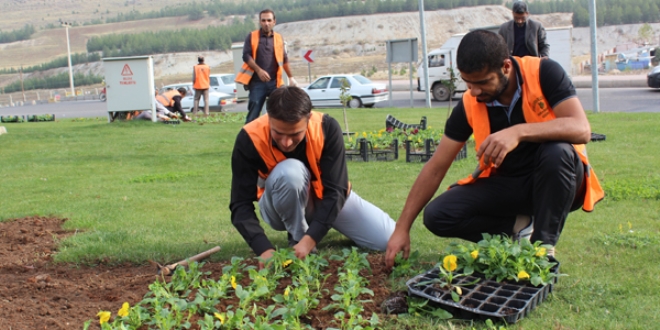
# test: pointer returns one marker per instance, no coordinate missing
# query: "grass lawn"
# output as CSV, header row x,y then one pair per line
x,y
136,191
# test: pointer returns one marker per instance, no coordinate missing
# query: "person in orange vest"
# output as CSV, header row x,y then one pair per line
x,y
264,59
292,162
171,99
529,130
201,80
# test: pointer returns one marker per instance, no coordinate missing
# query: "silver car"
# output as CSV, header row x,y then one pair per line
x,y
224,82
325,91
218,101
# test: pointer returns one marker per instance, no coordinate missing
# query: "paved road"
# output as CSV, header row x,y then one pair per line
x,y
611,100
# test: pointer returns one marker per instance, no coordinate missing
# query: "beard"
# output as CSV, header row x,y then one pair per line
x,y
501,87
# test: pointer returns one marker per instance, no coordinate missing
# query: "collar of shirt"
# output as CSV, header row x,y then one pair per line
x,y
514,100
264,34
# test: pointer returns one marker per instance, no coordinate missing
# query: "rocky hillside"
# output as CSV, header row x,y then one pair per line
x,y
356,43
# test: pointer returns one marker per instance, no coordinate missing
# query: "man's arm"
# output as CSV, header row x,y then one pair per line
x,y
244,166
193,80
425,186
543,46
249,60
177,103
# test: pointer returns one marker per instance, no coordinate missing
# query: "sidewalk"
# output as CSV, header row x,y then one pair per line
x,y
604,81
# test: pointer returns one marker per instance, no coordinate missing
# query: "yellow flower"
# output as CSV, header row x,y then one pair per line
x,y
474,254
540,252
364,134
449,263
286,263
286,292
458,290
220,317
522,275
123,312
233,282
104,316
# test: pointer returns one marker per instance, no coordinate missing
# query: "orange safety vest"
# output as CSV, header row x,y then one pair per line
x,y
167,98
202,79
535,109
244,75
259,132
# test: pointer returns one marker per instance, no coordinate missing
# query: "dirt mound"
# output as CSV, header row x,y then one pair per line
x,y
37,294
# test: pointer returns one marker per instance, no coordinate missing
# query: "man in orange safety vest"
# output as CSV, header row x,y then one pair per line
x,y
264,59
201,83
529,130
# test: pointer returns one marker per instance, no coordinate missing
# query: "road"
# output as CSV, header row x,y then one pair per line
x,y
611,100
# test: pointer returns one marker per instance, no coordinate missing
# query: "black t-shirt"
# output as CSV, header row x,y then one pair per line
x,y
556,87
245,164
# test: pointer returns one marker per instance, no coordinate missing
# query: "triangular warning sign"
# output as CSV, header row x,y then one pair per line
x,y
126,71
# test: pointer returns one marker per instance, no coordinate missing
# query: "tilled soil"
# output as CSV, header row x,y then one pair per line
x,y
35,293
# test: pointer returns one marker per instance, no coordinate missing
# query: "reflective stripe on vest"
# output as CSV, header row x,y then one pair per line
x,y
535,109
167,98
202,80
259,132
245,73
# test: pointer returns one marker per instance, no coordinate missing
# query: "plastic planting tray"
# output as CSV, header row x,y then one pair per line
x,y
486,299
365,152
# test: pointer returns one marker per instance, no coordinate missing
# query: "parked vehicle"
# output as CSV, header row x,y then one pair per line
x,y
444,58
103,96
325,91
218,101
653,78
224,82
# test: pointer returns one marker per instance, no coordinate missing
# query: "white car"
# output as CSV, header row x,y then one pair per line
x,y
325,91
218,101
224,82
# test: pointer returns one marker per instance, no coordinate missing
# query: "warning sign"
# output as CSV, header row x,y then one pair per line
x,y
126,71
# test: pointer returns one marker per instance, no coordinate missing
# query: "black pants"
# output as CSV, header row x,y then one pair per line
x,y
181,113
490,205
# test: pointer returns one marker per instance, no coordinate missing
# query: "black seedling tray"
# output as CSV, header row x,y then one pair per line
x,y
486,299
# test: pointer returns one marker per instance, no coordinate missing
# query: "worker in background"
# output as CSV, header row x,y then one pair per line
x,y
172,101
201,82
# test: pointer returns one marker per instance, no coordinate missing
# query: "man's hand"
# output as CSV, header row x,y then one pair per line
x,y
304,247
497,145
264,257
263,75
399,241
293,82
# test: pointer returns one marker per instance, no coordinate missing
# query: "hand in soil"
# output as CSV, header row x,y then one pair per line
x,y
264,257
399,241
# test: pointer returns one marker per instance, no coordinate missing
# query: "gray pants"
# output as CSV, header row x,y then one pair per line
x,y
198,95
286,204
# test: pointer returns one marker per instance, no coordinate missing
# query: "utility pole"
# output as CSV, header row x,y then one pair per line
x,y
425,59
22,89
68,49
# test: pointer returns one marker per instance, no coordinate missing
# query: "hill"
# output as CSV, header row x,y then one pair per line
x,y
342,44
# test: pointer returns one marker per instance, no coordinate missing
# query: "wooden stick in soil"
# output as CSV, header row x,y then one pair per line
x,y
168,269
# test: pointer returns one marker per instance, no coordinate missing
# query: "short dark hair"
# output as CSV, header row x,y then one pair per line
x,y
182,91
200,59
267,11
519,7
481,49
289,104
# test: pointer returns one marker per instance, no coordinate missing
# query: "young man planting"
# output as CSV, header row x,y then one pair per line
x,y
292,162
529,130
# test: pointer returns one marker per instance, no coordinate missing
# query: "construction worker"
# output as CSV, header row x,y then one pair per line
x,y
263,54
201,83
172,101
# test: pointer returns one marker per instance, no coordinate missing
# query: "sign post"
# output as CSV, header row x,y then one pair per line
x,y
307,55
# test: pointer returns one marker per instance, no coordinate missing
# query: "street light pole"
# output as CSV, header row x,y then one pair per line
x,y
68,49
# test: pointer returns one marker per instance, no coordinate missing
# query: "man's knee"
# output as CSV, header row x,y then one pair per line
x,y
288,174
556,155
436,221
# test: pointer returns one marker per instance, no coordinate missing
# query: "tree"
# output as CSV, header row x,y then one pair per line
x,y
645,33
345,97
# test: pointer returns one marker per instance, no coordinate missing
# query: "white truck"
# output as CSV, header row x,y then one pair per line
x,y
444,58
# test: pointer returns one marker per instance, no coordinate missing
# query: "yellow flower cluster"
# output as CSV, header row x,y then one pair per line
x,y
449,263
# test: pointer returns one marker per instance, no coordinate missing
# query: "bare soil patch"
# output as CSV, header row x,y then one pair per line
x,y
39,294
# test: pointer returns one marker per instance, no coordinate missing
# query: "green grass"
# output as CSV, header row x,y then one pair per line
x,y
137,191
